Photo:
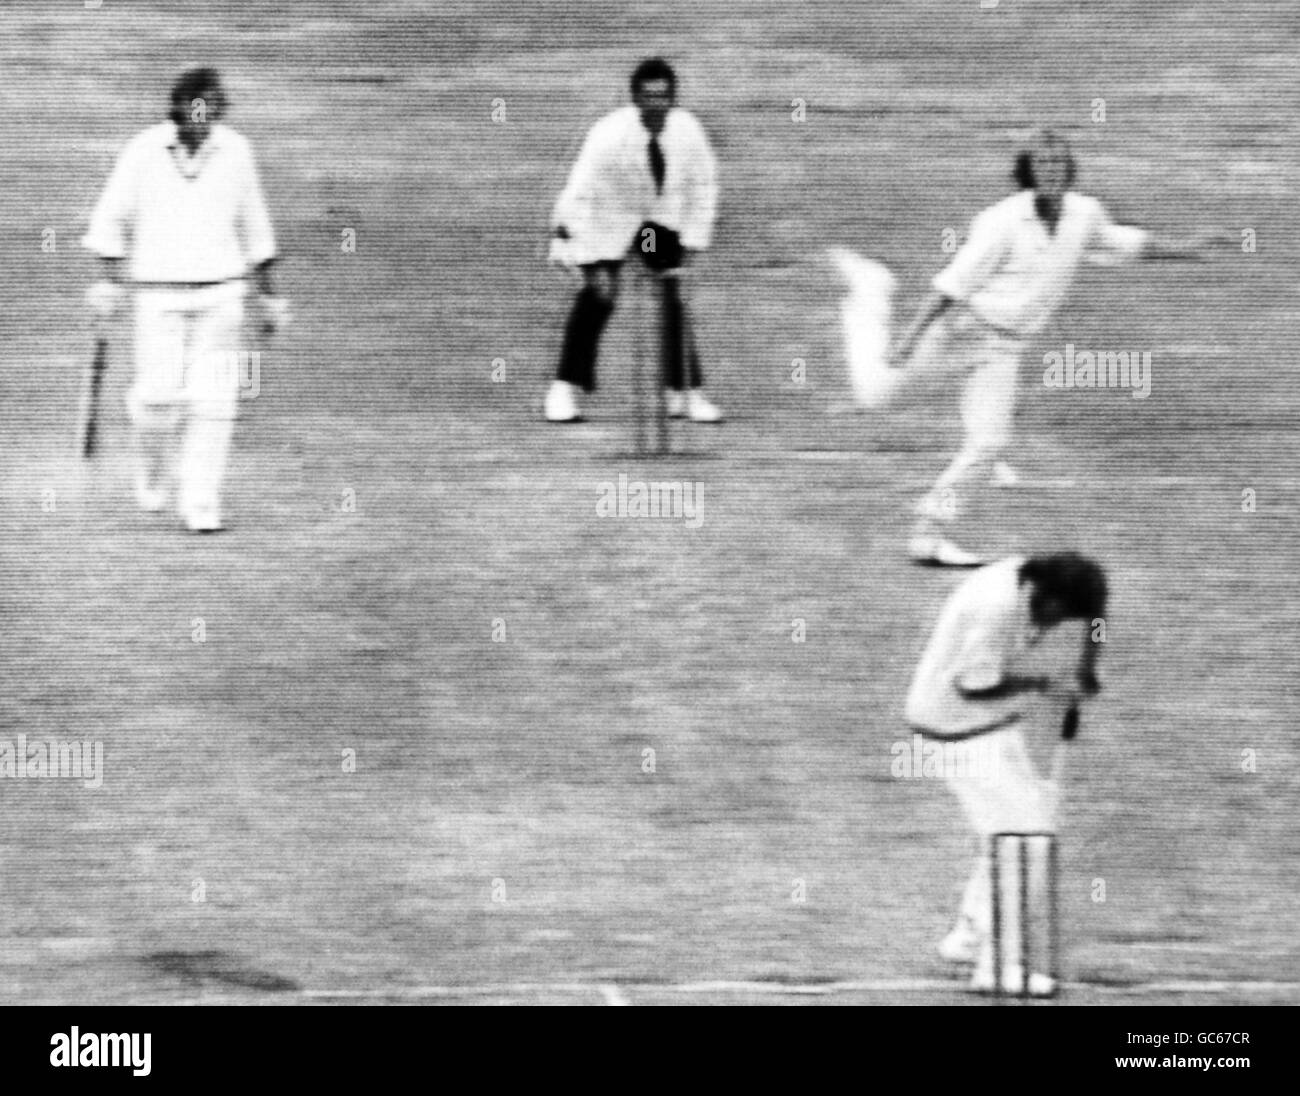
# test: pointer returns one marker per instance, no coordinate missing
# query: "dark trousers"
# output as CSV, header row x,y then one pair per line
x,y
591,312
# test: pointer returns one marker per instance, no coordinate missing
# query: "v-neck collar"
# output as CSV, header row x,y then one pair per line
x,y
189,166
1031,214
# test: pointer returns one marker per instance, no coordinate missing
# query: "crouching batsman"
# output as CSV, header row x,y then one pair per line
x,y
1011,658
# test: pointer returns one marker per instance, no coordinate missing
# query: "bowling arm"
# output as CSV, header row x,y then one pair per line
x,y
1197,248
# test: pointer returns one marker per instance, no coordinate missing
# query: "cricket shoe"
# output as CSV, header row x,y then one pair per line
x,y
940,551
202,519
1005,476
150,493
562,402
962,945
937,506
692,405
1040,985
149,499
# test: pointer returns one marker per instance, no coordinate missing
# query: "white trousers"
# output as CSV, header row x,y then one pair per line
x,y
990,362
1001,791
188,357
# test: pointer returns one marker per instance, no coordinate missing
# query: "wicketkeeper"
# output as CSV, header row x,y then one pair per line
x,y
1002,678
185,201
645,182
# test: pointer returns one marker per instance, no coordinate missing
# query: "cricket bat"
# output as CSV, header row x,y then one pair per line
x,y
88,420
865,315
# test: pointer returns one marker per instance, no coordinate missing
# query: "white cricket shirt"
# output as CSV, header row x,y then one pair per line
x,y
1013,273
985,634
611,188
183,218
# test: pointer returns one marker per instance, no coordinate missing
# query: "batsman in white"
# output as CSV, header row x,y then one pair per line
x,y
184,199
1000,677
647,164
1002,287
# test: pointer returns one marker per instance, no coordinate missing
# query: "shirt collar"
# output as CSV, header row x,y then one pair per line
x,y
642,126
1029,213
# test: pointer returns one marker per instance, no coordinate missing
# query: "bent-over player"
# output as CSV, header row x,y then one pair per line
x,y
1012,655
1001,287
185,199
645,165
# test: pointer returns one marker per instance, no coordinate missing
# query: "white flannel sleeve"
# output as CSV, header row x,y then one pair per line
x,y
977,260
114,213
701,192
573,208
254,218
1111,244
980,666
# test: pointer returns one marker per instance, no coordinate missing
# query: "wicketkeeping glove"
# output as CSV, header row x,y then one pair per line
x,y
660,246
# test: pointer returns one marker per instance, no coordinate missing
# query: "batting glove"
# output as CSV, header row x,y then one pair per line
x,y
561,249
275,313
1070,727
104,298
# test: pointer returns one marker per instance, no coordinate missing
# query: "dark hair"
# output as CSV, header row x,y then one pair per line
x,y
653,68
190,86
1023,172
1075,581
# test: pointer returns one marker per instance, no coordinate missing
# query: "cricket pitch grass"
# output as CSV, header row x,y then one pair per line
x,y
386,738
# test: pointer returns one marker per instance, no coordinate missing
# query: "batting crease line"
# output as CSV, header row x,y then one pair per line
x,y
1029,484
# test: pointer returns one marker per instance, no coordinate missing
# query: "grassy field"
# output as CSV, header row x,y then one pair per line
x,y
392,507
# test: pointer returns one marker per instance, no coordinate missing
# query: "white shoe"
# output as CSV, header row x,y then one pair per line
x,y
700,409
930,548
562,402
1004,475
676,403
932,507
1040,985
962,945
202,519
149,499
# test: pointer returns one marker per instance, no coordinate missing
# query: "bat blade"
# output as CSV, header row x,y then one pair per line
x,y
88,421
